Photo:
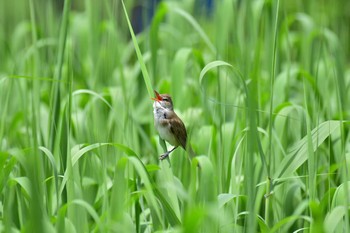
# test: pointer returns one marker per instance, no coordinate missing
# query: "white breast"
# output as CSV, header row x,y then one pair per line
x,y
161,125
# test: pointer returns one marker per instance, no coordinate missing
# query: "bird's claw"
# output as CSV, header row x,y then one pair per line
x,y
163,156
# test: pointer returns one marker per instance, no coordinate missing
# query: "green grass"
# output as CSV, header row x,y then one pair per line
x,y
262,87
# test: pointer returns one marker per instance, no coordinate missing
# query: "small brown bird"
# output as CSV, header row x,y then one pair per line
x,y
169,126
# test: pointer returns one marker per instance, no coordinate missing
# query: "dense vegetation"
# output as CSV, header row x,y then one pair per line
x,y
262,86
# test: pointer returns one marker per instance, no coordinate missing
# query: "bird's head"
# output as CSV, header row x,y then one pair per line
x,y
163,100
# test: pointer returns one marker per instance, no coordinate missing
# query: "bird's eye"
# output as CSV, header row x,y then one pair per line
x,y
166,99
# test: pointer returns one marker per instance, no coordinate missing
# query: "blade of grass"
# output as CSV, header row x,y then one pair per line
x,y
272,84
189,18
139,55
298,153
55,98
38,219
154,32
334,218
51,158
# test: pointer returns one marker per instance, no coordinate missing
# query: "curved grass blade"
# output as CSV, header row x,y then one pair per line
x,y
60,226
334,218
298,153
154,32
91,211
89,92
178,71
195,26
54,167
216,64
77,155
139,55
25,184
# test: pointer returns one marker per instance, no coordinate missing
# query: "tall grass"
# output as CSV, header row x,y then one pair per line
x,y
261,86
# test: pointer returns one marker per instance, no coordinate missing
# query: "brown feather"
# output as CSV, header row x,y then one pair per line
x,y
179,130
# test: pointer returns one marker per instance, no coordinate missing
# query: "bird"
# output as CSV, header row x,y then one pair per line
x,y
169,126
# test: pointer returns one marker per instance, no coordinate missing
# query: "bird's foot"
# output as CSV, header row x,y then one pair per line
x,y
164,156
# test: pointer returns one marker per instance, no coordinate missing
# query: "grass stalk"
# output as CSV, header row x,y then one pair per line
x,y
56,90
79,152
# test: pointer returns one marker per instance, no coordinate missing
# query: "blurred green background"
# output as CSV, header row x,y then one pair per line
x,y
262,87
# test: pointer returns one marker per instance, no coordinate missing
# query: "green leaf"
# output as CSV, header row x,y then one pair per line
x,y
78,154
341,195
334,218
25,184
7,162
89,92
91,211
224,198
195,26
51,158
154,33
139,55
178,71
298,153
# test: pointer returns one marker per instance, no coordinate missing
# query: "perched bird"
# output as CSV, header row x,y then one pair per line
x,y
169,126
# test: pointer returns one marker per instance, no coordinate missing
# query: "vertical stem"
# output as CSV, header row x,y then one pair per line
x,y
35,168
55,98
272,83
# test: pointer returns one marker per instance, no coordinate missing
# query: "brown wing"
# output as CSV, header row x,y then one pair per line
x,y
179,130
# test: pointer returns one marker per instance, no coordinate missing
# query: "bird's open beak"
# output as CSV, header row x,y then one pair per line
x,y
158,97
